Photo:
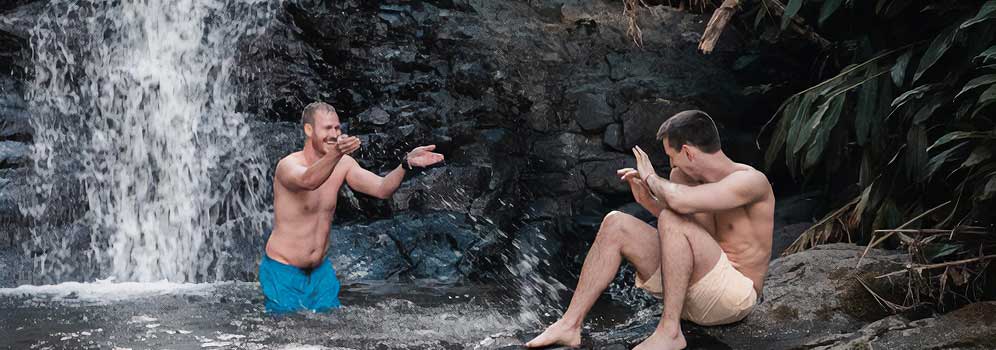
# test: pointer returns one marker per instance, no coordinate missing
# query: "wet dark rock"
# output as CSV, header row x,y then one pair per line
x,y
970,327
593,112
613,137
601,176
375,116
440,245
558,153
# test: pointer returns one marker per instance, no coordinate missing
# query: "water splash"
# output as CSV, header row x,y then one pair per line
x,y
143,168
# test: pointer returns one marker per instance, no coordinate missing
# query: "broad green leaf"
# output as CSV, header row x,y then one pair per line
x,y
798,121
978,81
928,109
987,11
790,11
810,126
941,43
915,93
899,69
828,8
936,161
980,154
781,131
987,96
985,56
865,109
957,135
831,115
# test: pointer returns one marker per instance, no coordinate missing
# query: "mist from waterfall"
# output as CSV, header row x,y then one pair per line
x,y
143,168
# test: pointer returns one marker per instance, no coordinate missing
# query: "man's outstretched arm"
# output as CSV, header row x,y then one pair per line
x,y
367,182
297,177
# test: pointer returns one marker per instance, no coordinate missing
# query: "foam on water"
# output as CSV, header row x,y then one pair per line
x,y
108,291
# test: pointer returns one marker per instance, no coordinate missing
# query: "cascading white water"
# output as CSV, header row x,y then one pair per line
x,y
133,104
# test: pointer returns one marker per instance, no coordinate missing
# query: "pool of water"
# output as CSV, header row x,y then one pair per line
x,y
230,315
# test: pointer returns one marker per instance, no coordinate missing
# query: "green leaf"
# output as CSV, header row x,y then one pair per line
x,y
978,81
832,114
759,17
936,161
985,56
937,48
980,154
985,12
989,190
865,109
957,135
987,96
781,132
928,109
915,93
933,252
828,8
798,121
790,11
810,126
899,69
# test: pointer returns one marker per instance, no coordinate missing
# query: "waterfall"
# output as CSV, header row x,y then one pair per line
x,y
143,168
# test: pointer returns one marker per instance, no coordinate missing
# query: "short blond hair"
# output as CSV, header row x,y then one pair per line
x,y
308,115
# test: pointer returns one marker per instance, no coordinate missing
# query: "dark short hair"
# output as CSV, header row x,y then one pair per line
x,y
308,115
692,127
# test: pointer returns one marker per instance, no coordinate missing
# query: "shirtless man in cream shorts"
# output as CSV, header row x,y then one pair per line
x,y
711,246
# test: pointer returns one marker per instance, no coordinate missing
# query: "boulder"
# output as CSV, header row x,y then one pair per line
x,y
970,327
593,113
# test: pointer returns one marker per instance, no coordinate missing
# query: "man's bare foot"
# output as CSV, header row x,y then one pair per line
x,y
559,333
664,338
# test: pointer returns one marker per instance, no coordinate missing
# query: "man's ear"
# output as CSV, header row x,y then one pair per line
x,y
688,152
308,130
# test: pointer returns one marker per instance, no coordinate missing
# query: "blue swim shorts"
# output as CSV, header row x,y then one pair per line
x,y
289,288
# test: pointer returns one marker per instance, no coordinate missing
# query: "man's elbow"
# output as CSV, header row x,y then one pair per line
x,y
681,208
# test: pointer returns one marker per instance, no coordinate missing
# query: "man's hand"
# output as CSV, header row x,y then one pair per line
x,y
347,144
643,165
423,156
641,193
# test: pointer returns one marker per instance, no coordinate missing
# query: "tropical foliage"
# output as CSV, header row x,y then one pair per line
x,y
909,119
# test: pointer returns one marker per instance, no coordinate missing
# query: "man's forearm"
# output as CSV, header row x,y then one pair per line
x,y
664,190
317,173
391,182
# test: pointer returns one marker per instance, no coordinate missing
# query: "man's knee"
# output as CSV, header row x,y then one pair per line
x,y
613,226
670,222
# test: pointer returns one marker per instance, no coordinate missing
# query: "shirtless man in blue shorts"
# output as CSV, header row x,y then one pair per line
x,y
295,274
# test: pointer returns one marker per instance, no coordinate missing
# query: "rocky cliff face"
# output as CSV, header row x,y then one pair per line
x,y
534,103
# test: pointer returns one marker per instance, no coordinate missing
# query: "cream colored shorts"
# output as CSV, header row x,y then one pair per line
x,y
722,296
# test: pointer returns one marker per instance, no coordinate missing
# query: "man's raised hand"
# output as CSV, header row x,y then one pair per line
x,y
347,144
423,156
643,164
641,193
